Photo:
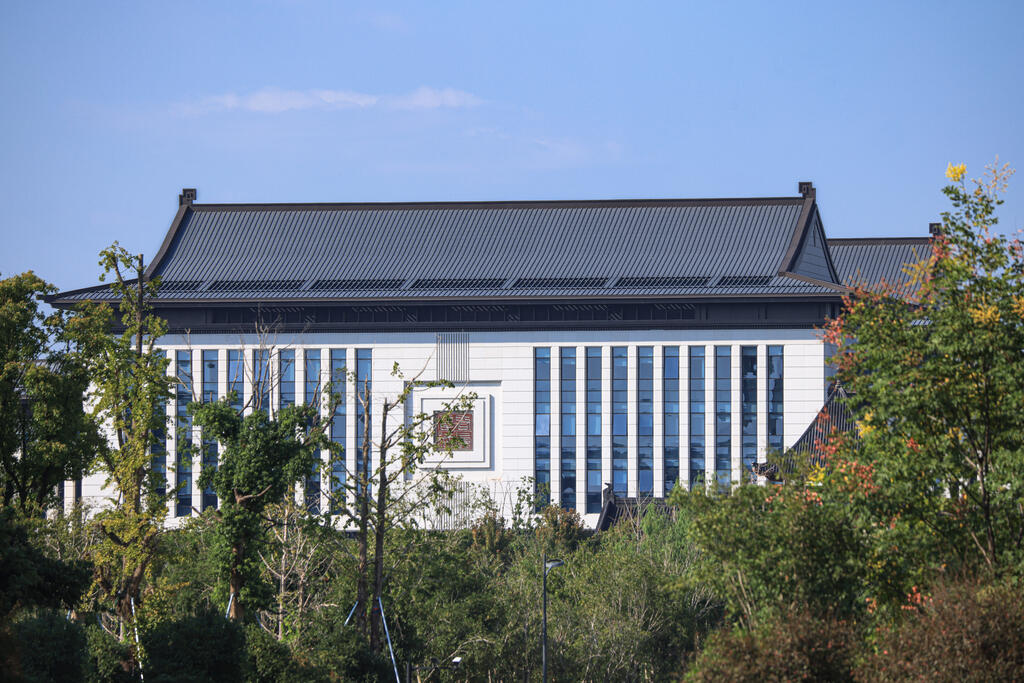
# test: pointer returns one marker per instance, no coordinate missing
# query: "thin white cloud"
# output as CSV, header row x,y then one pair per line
x,y
431,98
277,101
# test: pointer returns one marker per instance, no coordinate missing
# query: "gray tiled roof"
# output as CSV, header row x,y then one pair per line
x,y
869,262
508,250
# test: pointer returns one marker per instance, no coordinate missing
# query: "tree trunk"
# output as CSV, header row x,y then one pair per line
x,y
362,483
281,579
378,533
237,610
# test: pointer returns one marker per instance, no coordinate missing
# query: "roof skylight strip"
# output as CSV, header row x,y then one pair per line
x,y
559,282
355,284
459,283
670,282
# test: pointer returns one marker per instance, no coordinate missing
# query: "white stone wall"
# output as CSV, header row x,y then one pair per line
x,y
501,372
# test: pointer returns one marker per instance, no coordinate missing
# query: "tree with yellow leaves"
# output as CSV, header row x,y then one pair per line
x,y
937,376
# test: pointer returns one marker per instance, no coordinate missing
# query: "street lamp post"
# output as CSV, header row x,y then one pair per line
x,y
548,566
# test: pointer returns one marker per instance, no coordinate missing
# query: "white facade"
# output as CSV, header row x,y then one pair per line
x,y
501,373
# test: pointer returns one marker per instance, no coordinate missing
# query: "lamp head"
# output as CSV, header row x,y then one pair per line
x,y
551,564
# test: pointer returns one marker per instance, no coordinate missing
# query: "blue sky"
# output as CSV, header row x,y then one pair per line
x,y
109,109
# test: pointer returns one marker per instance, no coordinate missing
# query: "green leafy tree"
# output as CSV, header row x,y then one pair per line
x,y
46,436
263,458
937,377
129,383
765,549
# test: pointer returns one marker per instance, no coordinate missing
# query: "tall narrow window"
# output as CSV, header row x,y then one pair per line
x,y
620,420
286,377
645,420
595,448
183,452
338,458
776,427
286,372
312,397
542,424
567,403
698,445
723,416
159,448
364,417
210,367
236,375
261,380
670,394
748,409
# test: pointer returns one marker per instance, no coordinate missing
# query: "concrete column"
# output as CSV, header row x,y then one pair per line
x,y
710,471
581,429
554,427
632,407
606,416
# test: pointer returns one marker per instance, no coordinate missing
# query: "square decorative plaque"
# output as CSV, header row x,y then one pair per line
x,y
453,431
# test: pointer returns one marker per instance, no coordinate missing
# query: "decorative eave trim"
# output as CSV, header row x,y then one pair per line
x,y
842,289
799,231
804,225
172,232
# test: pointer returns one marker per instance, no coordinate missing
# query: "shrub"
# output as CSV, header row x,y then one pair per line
x,y
339,650
560,530
200,648
795,646
48,647
109,659
959,633
270,661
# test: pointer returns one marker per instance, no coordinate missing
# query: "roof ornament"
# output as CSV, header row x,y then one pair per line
x,y
187,196
935,229
807,190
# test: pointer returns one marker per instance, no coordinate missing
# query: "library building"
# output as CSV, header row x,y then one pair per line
x,y
613,348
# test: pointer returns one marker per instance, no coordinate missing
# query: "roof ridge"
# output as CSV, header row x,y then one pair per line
x,y
497,204
868,241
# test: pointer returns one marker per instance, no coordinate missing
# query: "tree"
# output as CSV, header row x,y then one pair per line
x,y
381,497
937,377
769,549
298,556
46,436
129,384
263,458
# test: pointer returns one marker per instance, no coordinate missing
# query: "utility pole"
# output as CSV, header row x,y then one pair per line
x,y
547,565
